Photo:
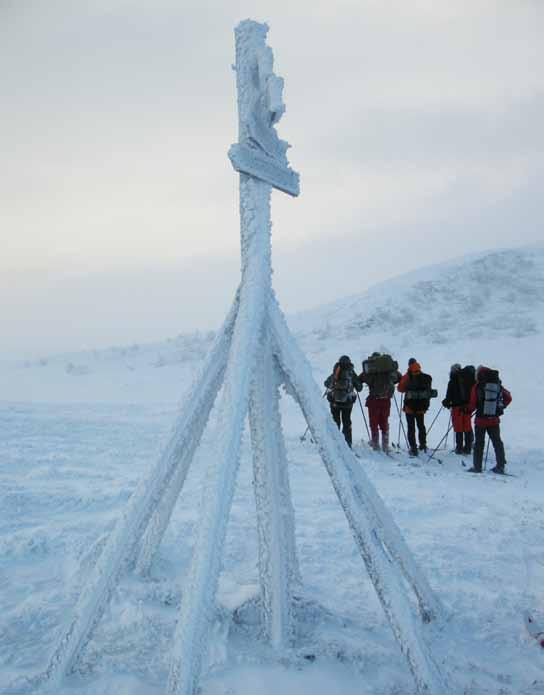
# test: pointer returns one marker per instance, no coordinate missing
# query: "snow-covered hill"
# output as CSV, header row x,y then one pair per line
x,y
493,295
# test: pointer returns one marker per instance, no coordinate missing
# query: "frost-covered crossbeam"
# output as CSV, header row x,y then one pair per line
x,y
251,160
259,151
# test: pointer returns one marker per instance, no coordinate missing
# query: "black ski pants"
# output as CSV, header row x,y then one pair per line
x,y
494,433
342,417
413,419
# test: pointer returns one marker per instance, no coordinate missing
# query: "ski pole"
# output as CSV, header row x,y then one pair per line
x,y
435,419
364,416
303,438
445,437
486,453
401,425
399,411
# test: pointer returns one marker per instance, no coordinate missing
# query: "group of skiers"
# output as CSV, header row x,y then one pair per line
x,y
470,391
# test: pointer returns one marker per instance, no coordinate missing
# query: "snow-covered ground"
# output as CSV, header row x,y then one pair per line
x,y
78,431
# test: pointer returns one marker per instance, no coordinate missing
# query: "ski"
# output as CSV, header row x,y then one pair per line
x,y
497,475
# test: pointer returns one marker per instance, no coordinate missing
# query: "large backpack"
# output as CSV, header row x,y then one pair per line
x,y
342,391
381,372
380,364
466,378
419,392
489,395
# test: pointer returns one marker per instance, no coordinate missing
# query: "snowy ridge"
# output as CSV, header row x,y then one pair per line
x,y
468,309
488,296
493,294
184,348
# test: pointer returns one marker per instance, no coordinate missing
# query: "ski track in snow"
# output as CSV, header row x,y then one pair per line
x,y
68,469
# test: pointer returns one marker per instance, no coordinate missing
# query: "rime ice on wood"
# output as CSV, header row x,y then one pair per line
x,y
253,354
259,152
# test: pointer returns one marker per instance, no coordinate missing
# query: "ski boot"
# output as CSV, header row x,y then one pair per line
x,y
385,442
459,449
469,439
474,470
499,470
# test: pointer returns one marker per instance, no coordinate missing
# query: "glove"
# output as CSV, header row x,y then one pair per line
x,y
446,403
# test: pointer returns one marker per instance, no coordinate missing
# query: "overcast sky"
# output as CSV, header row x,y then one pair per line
x,y
416,127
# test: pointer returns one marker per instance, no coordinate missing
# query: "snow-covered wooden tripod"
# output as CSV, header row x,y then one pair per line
x,y
252,356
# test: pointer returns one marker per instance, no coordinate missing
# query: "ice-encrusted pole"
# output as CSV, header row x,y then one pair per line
x,y
260,158
371,529
123,542
261,153
158,523
278,565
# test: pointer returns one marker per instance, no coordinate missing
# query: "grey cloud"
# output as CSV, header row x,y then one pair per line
x,y
410,122
440,135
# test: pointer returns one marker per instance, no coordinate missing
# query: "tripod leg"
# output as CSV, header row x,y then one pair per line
x,y
372,527
201,405
278,568
298,373
122,544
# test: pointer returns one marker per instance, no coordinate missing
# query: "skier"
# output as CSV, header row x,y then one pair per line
x,y
488,399
417,389
342,385
457,398
381,374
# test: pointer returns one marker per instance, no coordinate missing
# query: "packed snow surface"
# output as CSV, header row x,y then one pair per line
x,y
78,432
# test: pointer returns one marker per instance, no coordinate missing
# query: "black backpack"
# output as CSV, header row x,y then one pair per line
x,y
490,401
342,391
419,392
466,378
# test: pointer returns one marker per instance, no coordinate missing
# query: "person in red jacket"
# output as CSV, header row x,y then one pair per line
x,y
488,399
457,398
381,387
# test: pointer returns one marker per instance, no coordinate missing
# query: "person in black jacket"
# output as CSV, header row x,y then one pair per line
x,y
457,398
416,387
342,386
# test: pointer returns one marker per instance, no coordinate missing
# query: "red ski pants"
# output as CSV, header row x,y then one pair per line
x,y
378,414
461,421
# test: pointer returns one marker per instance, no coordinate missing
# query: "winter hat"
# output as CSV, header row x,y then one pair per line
x,y
375,354
412,361
455,368
344,360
